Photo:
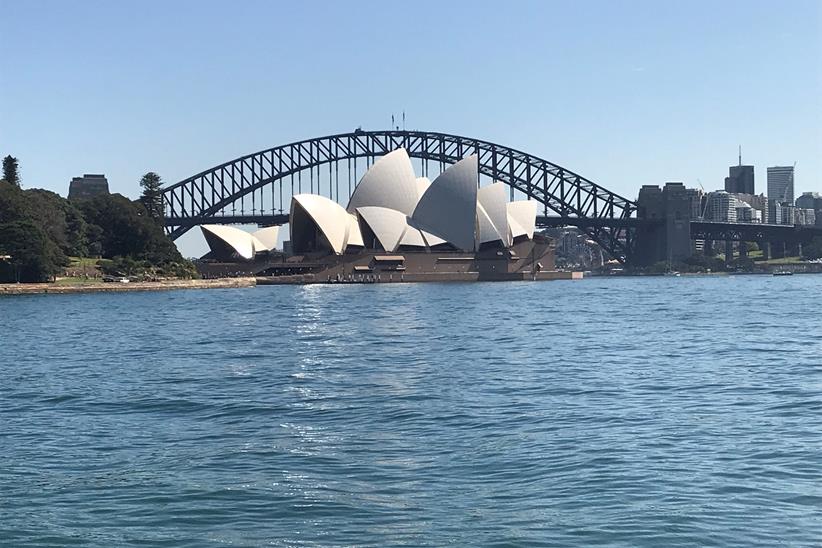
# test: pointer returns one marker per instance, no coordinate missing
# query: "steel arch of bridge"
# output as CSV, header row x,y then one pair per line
x,y
560,190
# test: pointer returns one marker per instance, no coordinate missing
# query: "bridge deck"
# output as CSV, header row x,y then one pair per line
x,y
700,230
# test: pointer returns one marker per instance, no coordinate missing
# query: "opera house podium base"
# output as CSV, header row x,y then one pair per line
x,y
303,279
531,260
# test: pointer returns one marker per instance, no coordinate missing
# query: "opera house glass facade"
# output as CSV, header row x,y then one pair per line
x,y
450,220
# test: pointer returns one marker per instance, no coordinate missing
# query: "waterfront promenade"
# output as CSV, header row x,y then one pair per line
x,y
115,287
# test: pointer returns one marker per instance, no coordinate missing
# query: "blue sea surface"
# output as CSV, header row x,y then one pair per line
x,y
603,412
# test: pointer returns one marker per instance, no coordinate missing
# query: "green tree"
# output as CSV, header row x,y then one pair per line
x,y
13,204
59,219
752,246
152,197
703,263
11,170
33,257
123,228
39,228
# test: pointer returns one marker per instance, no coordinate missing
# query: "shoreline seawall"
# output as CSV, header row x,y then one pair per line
x,y
115,287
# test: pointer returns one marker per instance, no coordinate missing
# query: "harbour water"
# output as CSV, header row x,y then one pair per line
x,y
623,411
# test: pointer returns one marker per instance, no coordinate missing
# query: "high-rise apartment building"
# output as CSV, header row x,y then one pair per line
x,y
721,207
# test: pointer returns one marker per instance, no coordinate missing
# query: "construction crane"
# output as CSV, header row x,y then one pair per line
x,y
704,207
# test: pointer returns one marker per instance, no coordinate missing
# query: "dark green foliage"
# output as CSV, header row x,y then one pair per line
x,y
34,258
13,206
703,263
127,266
59,219
752,246
813,250
11,171
694,263
39,229
152,198
123,228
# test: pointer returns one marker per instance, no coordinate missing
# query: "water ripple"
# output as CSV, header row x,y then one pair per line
x,y
628,412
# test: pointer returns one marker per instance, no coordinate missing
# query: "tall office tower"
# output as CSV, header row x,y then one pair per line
x,y
740,178
780,184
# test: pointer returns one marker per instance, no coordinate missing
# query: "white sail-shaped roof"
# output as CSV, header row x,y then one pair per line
x,y
354,234
448,208
242,242
328,215
388,225
267,237
412,238
422,185
492,203
514,229
431,240
390,182
486,231
522,215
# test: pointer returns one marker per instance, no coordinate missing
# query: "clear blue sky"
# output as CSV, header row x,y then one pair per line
x,y
625,93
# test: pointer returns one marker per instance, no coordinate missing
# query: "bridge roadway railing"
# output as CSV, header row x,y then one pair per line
x,y
752,232
700,230
543,221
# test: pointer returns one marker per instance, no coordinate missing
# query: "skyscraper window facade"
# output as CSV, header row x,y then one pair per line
x,y
780,184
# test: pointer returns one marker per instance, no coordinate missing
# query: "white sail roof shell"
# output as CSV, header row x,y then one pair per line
x,y
242,242
522,216
388,225
328,215
267,237
514,229
428,239
431,240
391,228
354,235
448,208
412,238
492,206
422,185
486,231
390,182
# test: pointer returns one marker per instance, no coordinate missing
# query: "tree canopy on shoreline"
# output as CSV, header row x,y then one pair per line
x,y
40,230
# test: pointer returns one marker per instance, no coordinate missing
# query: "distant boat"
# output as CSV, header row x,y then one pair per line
x,y
783,273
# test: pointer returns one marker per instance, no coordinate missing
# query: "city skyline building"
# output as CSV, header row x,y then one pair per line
x,y
696,200
809,200
740,179
781,184
721,207
88,186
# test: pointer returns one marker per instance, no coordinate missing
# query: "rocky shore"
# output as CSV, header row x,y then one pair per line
x,y
115,287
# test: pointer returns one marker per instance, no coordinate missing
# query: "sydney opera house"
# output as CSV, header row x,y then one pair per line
x,y
398,227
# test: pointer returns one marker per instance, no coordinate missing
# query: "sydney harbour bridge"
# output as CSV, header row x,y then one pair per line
x,y
257,188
